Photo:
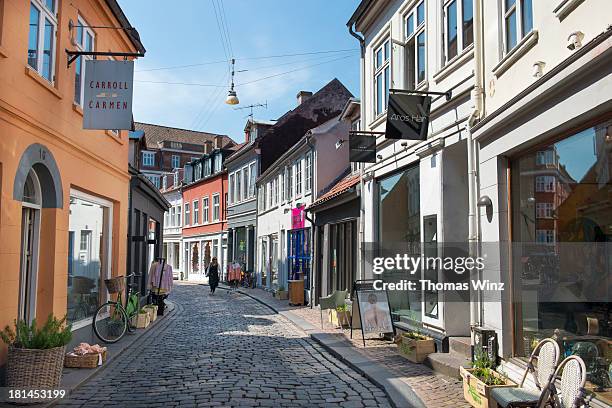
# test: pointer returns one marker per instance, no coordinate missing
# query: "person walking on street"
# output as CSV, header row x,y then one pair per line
x,y
213,275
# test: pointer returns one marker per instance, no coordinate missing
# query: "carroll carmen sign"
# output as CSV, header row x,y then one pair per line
x,y
108,94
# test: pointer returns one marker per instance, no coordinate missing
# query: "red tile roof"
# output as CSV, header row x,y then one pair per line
x,y
340,187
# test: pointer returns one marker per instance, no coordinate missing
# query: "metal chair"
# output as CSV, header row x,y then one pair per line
x,y
338,298
573,378
546,354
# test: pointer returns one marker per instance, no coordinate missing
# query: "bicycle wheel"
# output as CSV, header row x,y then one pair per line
x,y
110,322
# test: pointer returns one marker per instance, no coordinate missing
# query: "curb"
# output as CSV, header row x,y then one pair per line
x,y
162,324
400,394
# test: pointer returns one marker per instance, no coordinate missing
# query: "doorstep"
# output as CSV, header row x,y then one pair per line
x,y
72,378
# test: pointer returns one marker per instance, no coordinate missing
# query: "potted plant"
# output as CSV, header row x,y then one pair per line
x,y
152,311
340,316
281,293
36,354
416,347
479,380
141,320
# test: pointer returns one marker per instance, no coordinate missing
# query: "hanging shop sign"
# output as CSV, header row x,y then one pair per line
x,y
362,148
408,116
108,94
298,219
370,310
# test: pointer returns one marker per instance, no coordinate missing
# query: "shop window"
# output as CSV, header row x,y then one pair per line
x,y
518,21
84,41
298,255
562,228
89,259
399,223
41,38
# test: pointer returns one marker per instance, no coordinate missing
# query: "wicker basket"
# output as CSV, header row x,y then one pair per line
x,y
115,285
32,368
84,361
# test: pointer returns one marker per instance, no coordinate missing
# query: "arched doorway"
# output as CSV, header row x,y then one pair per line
x,y
37,185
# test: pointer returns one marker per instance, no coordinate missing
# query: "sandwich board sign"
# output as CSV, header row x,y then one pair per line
x,y
107,102
370,312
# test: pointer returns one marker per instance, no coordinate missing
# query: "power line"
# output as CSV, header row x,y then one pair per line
x,y
221,32
246,59
225,23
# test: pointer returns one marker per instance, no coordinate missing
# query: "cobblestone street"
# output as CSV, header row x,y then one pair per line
x,y
225,350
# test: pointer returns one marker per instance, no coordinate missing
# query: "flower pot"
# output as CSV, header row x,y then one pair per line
x,y
282,294
476,392
141,320
36,369
152,311
340,318
416,350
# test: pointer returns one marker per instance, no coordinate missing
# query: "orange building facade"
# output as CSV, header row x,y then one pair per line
x,y
64,190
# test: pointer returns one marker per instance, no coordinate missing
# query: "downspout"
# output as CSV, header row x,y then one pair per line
x,y
312,236
361,165
475,117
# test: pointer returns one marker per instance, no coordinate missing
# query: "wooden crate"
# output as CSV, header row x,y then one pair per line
x,y
416,350
477,393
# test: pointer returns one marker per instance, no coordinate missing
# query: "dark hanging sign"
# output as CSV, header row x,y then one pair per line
x,y
408,116
362,148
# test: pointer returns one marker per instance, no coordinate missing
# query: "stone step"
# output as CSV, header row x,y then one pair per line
x,y
447,363
460,345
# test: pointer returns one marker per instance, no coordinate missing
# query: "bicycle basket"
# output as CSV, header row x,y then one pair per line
x,y
115,285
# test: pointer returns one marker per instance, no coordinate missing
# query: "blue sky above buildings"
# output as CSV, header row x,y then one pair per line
x,y
186,32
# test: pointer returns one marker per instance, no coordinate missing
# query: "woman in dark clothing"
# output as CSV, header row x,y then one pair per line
x,y
213,275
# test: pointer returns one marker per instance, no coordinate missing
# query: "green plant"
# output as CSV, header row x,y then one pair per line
x,y
342,308
484,370
54,333
414,336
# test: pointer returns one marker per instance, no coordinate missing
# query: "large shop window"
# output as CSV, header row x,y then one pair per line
x,y
562,228
399,220
89,239
342,255
298,254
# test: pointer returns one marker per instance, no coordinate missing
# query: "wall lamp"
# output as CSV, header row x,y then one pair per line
x,y
339,143
485,202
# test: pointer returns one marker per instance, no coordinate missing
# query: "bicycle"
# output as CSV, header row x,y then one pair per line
x,y
112,319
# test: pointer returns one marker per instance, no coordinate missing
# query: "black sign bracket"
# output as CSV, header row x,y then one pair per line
x,y
448,94
73,55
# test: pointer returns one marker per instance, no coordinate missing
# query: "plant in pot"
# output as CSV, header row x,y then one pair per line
x,y
36,354
281,293
141,320
416,347
479,380
341,316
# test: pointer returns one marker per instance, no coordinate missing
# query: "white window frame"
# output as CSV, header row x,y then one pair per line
x,y
252,178
545,210
239,186
517,8
80,45
187,219
298,178
289,180
176,161
205,210
308,172
380,71
109,245
232,178
196,212
460,34
216,207
545,184
179,215
44,14
145,156
245,183
418,29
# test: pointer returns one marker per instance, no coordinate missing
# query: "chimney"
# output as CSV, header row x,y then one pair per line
x,y
302,96
218,142
208,146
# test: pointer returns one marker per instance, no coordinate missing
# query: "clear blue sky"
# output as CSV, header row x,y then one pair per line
x,y
185,32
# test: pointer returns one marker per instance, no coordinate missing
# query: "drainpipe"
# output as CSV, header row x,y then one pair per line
x,y
477,114
312,237
361,165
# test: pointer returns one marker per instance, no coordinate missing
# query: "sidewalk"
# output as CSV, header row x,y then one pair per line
x,y
407,384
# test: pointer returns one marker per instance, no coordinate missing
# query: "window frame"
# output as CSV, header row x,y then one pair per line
x,y
517,9
205,210
195,205
44,14
411,41
308,172
379,71
252,179
146,154
79,63
298,178
216,207
175,161
187,218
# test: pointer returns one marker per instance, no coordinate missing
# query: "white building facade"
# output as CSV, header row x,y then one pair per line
x,y
173,223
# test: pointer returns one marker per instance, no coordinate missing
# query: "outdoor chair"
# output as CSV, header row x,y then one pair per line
x,y
338,298
546,354
573,377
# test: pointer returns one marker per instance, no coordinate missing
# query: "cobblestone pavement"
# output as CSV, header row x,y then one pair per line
x,y
225,350
435,390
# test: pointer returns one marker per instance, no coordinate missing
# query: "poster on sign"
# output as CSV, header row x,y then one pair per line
x,y
108,94
297,218
370,310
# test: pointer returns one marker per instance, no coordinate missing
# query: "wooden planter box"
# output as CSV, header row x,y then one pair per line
x,y
416,350
342,319
477,393
282,294
152,311
141,320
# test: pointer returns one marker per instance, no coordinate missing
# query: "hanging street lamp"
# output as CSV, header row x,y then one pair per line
x,y
232,99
